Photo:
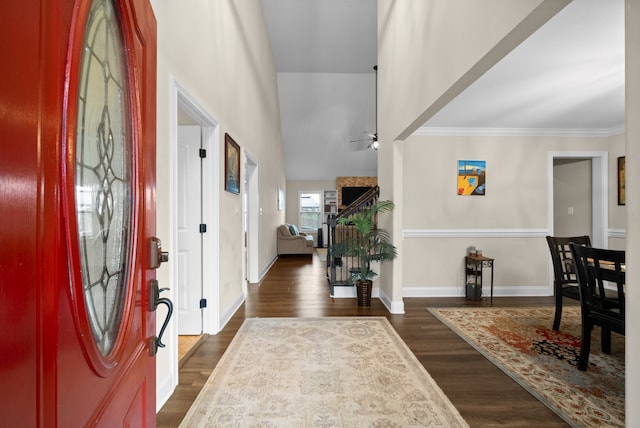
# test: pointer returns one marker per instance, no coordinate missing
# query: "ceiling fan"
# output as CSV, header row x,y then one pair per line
x,y
372,137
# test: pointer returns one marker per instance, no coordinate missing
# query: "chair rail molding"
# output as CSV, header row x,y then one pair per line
x,y
474,233
617,233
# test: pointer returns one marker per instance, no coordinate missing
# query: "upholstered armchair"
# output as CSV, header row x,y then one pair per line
x,y
291,241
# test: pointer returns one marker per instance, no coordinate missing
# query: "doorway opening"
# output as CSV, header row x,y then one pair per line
x,y
198,193
572,197
251,220
566,163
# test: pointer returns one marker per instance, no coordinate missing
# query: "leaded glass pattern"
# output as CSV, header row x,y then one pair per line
x,y
103,173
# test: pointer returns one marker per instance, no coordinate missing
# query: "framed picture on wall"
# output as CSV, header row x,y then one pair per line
x,y
621,180
231,165
472,177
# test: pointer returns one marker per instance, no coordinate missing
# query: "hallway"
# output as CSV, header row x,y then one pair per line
x,y
296,287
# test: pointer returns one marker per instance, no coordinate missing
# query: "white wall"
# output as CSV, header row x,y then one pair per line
x,y
219,52
508,223
429,51
632,128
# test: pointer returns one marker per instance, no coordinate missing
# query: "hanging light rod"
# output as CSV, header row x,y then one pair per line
x,y
374,143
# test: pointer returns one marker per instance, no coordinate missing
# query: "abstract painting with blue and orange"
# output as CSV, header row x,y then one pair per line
x,y
472,177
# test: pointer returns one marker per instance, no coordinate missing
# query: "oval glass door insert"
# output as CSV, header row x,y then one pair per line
x,y
103,174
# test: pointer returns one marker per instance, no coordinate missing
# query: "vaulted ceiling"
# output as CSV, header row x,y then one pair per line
x,y
567,78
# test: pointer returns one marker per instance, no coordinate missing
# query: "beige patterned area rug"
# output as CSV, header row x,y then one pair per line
x,y
320,372
521,342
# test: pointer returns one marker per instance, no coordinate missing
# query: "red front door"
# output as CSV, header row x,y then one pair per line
x,y
77,213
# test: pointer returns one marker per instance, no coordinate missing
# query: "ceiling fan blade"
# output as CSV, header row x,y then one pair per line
x,y
370,137
359,145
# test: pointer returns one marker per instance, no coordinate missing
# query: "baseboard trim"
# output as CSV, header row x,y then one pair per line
x,y
513,291
226,317
266,270
346,292
164,391
395,307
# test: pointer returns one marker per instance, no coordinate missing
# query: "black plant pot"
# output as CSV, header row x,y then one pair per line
x,y
363,289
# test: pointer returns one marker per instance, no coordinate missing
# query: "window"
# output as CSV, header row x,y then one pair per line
x,y
310,214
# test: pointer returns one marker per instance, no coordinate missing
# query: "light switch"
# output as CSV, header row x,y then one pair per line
x,y
570,211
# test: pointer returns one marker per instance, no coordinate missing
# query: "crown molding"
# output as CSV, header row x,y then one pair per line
x,y
518,132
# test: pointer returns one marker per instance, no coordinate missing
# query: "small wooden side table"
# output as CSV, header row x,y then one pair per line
x,y
473,267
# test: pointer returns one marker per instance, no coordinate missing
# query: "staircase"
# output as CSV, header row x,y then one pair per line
x,y
339,268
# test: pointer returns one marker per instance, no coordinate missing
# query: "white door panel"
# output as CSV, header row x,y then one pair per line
x,y
189,257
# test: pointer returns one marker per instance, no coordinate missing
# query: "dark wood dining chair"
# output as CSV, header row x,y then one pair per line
x,y
604,307
564,277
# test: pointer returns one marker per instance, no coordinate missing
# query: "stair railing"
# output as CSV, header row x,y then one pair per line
x,y
339,268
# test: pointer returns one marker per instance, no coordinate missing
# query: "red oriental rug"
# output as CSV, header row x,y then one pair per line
x,y
521,343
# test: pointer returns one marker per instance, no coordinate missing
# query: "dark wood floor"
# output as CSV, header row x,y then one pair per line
x,y
296,287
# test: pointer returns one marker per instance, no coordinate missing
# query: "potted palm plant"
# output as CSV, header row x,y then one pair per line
x,y
366,243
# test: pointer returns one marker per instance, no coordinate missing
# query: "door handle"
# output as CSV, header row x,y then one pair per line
x,y
169,303
154,301
156,255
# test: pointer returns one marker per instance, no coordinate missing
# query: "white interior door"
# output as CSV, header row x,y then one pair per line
x,y
189,258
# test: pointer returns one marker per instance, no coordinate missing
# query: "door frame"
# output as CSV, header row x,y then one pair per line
x,y
599,197
182,100
185,101
252,210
